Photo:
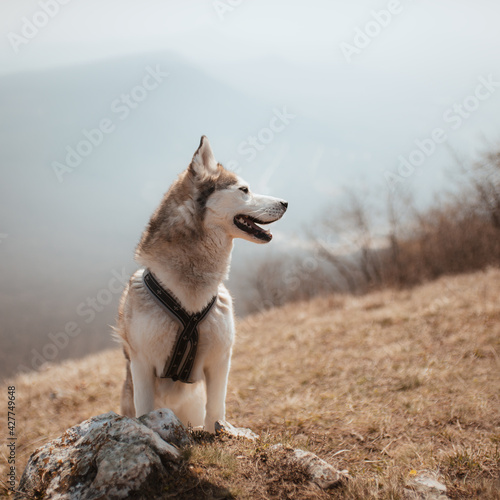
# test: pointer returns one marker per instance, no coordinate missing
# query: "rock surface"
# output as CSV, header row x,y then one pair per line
x,y
108,456
165,423
223,427
319,472
425,487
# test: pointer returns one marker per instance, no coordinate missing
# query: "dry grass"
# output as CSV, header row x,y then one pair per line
x,y
382,385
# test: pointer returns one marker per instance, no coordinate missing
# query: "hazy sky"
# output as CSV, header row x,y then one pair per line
x,y
212,32
415,65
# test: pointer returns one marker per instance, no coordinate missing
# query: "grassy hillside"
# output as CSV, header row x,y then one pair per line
x,y
384,385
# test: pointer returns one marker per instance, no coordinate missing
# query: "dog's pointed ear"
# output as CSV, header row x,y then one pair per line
x,y
203,162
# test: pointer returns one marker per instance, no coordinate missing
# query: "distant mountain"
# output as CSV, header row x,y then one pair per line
x,y
65,239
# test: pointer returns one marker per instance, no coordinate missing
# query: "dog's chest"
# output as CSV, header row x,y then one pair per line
x,y
215,339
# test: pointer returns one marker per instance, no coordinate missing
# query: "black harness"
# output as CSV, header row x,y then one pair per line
x,y
184,353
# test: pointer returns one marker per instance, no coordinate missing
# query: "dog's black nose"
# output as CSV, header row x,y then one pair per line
x,y
285,204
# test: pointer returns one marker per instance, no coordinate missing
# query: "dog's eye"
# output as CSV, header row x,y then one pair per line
x,y
244,189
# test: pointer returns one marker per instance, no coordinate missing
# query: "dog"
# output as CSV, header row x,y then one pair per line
x,y
187,248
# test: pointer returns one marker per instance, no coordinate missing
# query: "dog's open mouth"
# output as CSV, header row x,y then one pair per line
x,y
249,225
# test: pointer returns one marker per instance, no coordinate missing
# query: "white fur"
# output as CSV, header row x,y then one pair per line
x,y
224,205
152,335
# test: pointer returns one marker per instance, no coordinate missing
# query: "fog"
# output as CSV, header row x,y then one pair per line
x,y
101,106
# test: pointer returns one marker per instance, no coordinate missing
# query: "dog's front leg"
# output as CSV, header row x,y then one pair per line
x,y
216,378
144,386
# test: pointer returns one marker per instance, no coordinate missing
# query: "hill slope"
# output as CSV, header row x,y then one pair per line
x,y
382,385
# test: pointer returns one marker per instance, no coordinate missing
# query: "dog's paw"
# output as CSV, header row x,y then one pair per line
x,y
227,429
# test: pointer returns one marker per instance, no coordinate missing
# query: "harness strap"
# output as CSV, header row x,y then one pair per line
x,y
184,353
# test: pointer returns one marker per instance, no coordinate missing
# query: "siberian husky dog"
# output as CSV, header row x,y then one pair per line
x,y
187,248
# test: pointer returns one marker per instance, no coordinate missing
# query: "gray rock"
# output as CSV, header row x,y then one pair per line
x,y
319,472
425,487
106,457
165,423
223,427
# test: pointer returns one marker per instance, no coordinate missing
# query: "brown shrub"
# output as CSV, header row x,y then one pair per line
x,y
358,249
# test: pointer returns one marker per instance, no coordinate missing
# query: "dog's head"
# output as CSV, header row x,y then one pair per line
x,y
225,200
208,199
